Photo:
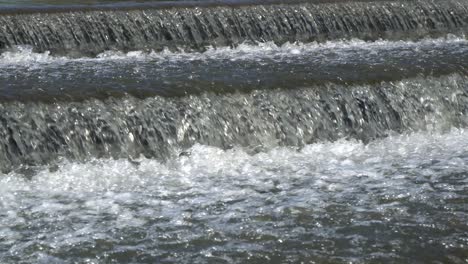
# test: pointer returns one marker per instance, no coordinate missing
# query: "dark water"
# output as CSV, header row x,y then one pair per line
x,y
301,133
245,68
47,6
57,2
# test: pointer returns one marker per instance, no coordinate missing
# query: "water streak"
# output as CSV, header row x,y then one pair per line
x,y
35,133
90,33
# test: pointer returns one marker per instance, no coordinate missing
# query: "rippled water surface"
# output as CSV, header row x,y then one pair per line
x,y
47,5
303,133
314,194
16,3
397,199
27,75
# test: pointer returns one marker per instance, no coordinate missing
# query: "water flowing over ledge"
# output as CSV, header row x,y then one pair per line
x,y
315,132
244,68
35,133
387,201
92,32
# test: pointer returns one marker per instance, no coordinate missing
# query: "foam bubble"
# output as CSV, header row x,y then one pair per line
x,y
224,202
24,55
210,165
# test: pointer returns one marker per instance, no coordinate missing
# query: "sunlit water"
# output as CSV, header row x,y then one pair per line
x,y
335,151
396,199
27,75
401,198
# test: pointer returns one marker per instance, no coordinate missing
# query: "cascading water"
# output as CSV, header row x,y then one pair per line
x,y
234,132
195,28
36,133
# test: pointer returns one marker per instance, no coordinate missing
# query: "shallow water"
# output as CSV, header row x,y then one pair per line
x,y
12,6
276,136
399,199
27,75
32,3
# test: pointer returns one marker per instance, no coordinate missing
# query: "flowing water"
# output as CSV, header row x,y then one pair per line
x,y
229,132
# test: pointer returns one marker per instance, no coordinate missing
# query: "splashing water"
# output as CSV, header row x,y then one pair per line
x,y
318,132
396,199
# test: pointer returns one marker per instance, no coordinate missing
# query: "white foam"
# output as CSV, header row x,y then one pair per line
x,y
24,55
230,192
210,169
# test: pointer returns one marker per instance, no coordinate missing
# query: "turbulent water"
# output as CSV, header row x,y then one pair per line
x,y
315,132
398,199
194,28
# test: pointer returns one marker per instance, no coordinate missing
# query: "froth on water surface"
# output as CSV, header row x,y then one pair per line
x,y
26,75
398,199
318,132
88,33
37,133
